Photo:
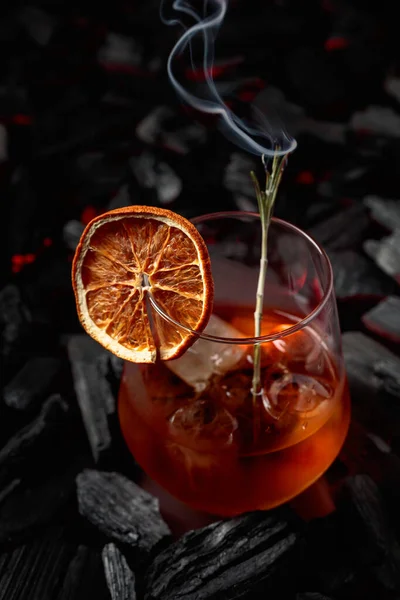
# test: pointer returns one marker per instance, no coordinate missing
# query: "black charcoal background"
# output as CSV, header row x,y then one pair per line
x,y
89,122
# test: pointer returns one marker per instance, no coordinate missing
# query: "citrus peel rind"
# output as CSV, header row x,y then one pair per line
x,y
129,253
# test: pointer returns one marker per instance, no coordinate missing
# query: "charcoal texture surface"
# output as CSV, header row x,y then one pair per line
x,y
372,369
120,509
378,547
27,509
93,392
24,446
356,275
386,253
32,382
84,578
343,230
71,233
384,318
385,211
120,579
244,557
33,571
109,370
387,371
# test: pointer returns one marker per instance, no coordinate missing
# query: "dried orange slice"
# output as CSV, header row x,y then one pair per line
x,y
128,253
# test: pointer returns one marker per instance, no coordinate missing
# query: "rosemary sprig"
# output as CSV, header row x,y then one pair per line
x,y
266,200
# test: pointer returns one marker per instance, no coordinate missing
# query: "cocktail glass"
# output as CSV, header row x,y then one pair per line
x,y
196,426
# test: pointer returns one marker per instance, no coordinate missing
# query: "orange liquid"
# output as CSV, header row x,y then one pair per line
x,y
223,452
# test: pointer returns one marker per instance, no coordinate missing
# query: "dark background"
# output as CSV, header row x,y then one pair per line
x,y
89,122
76,82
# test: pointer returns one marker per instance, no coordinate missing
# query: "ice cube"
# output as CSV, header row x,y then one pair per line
x,y
202,425
299,346
205,358
296,394
232,390
157,393
304,346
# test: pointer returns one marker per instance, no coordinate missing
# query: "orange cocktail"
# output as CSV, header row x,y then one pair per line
x,y
204,448
193,424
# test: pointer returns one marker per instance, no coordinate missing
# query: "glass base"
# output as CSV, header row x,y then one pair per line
x,y
179,517
313,503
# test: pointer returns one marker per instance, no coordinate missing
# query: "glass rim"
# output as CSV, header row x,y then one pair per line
x,y
271,336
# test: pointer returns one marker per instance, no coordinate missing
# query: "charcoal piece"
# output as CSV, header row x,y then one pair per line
x,y
371,368
356,275
384,211
366,452
380,120
273,101
236,175
230,559
318,211
120,50
22,447
105,371
126,513
163,127
117,365
26,509
384,319
84,578
156,175
14,322
35,569
373,376
386,254
39,24
17,447
120,579
93,392
31,384
72,232
110,367
343,230
377,546
388,372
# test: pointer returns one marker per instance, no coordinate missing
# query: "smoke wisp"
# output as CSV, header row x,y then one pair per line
x,y
265,133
